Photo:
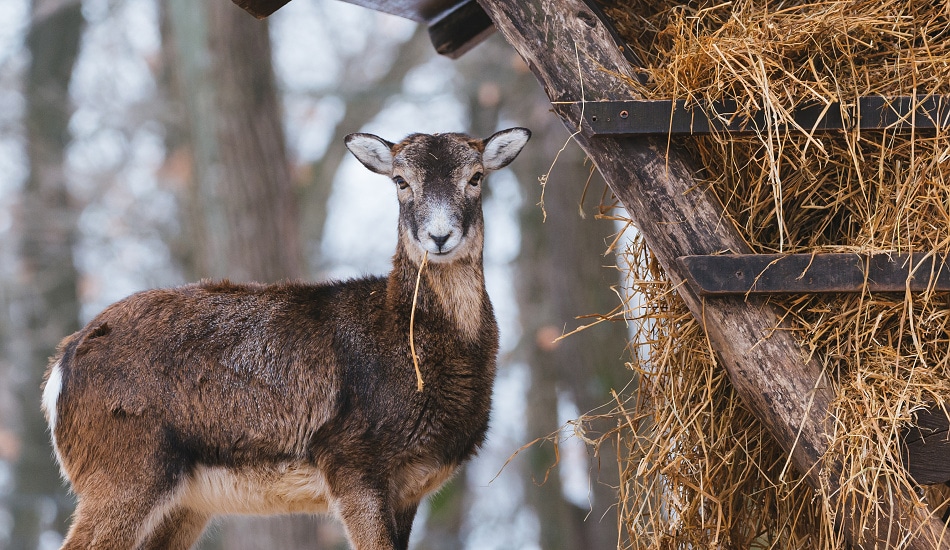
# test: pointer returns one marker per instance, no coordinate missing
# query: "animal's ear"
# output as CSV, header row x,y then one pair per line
x,y
373,151
502,147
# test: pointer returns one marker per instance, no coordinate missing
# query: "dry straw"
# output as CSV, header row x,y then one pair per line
x,y
412,324
699,470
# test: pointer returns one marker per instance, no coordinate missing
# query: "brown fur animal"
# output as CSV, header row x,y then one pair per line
x,y
174,405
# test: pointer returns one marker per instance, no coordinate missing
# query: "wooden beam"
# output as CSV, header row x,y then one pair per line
x,y
455,26
746,274
926,447
661,117
260,8
570,47
421,11
460,29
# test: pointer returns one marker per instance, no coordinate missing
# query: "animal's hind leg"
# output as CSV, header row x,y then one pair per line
x,y
107,523
179,530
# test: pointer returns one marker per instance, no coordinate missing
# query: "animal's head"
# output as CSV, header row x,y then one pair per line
x,y
438,179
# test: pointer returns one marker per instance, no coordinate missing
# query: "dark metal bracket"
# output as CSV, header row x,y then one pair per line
x,y
732,274
642,117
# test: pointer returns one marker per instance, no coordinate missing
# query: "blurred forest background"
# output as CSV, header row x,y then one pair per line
x,y
148,143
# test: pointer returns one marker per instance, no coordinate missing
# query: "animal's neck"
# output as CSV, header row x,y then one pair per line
x,y
456,289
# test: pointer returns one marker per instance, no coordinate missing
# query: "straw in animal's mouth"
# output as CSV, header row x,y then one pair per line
x,y
412,322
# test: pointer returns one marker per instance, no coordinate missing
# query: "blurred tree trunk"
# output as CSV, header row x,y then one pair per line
x,y
243,219
188,135
262,242
47,301
562,274
242,214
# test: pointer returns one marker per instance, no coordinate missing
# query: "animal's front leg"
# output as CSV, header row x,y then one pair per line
x,y
367,514
178,531
404,519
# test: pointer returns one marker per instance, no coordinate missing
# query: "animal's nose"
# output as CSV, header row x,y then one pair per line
x,y
440,240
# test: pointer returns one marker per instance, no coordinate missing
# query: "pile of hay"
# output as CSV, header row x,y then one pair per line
x,y
700,471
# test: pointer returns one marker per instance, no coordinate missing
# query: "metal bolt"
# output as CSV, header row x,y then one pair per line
x,y
624,114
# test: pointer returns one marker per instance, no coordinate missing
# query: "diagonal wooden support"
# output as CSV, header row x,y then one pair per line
x,y
572,51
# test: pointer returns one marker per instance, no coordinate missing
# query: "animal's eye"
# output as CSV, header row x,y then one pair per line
x,y
401,182
476,179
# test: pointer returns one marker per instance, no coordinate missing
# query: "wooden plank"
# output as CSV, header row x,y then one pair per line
x,y
719,275
421,11
460,29
571,49
926,447
661,117
455,26
260,8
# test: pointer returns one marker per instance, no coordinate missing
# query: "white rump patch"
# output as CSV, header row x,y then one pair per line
x,y
54,385
51,395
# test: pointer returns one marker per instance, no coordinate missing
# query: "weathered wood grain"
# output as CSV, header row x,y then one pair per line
x,y
575,58
460,29
926,450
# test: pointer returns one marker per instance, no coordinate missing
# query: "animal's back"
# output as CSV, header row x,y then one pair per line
x,y
219,359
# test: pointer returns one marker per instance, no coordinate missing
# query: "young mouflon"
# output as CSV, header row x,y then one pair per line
x,y
175,405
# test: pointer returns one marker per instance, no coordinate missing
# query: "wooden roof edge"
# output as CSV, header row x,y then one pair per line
x,y
455,26
260,8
